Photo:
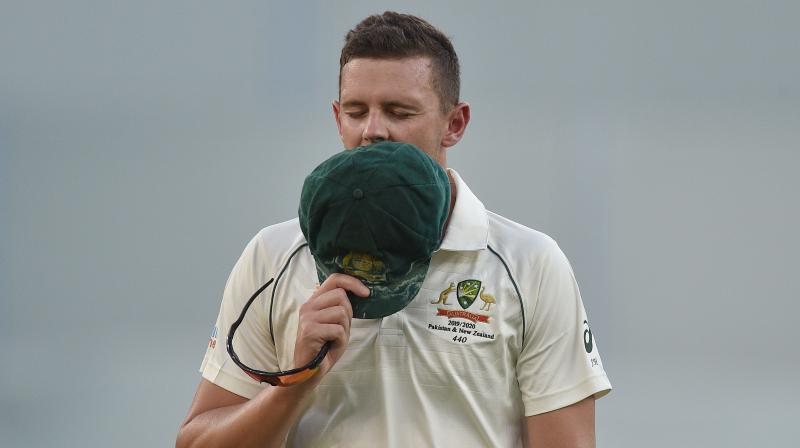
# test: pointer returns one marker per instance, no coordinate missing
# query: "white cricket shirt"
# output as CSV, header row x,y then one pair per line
x,y
497,332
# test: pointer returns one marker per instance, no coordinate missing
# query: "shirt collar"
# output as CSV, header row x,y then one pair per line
x,y
468,228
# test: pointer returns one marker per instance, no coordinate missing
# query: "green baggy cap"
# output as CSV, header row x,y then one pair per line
x,y
377,213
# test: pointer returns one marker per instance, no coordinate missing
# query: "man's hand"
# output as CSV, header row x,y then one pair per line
x,y
218,417
326,316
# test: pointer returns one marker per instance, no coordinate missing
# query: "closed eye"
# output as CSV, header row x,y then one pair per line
x,y
401,115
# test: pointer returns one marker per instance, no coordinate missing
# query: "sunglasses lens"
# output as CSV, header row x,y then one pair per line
x,y
299,377
284,380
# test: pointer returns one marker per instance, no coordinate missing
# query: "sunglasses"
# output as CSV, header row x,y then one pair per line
x,y
281,378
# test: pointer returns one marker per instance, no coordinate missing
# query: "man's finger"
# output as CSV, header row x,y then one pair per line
x,y
343,281
328,299
330,332
334,315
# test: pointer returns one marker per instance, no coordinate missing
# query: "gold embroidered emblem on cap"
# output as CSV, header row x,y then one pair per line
x,y
364,266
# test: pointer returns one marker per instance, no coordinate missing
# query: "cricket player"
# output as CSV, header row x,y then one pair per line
x,y
493,346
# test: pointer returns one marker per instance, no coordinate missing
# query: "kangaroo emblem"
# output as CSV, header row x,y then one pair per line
x,y
443,295
487,298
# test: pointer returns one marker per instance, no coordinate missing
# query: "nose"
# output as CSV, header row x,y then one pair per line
x,y
375,129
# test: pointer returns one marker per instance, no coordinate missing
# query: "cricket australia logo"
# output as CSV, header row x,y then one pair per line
x,y
467,291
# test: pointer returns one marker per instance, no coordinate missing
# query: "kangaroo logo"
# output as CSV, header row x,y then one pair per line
x,y
443,295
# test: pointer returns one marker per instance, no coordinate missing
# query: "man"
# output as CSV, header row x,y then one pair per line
x,y
508,360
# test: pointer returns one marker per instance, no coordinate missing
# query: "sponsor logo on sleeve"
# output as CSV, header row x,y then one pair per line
x,y
588,344
212,343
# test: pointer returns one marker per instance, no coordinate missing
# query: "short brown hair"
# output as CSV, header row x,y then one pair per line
x,y
393,35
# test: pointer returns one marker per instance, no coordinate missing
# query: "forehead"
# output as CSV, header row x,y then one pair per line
x,y
367,79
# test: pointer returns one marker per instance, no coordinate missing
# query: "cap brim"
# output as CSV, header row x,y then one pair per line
x,y
385,298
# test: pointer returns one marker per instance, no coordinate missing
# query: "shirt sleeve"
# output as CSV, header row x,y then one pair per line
x,y
559,363
252,340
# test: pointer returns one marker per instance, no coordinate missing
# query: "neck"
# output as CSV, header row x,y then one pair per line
x,y
453,194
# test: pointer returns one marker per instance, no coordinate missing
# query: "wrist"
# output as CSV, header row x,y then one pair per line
x,y
285,400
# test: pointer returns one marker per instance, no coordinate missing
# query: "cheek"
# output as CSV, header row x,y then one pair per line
x,y
423,136
350,132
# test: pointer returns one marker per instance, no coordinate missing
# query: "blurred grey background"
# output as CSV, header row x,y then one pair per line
x,y
142,144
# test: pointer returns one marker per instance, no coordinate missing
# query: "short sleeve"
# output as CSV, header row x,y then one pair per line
x,y
252,340
559,363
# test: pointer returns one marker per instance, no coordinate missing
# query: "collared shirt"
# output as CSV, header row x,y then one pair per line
x,y
497,332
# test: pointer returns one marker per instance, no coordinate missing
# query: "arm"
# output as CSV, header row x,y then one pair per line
x,y
559,366
218,417
569,427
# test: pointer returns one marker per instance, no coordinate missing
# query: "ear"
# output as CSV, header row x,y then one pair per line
x,y
336,116
457,120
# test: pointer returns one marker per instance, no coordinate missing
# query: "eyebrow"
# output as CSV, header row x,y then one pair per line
x,y
385,104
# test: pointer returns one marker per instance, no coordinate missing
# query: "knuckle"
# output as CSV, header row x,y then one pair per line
x,y
348,307
334,278
305,324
